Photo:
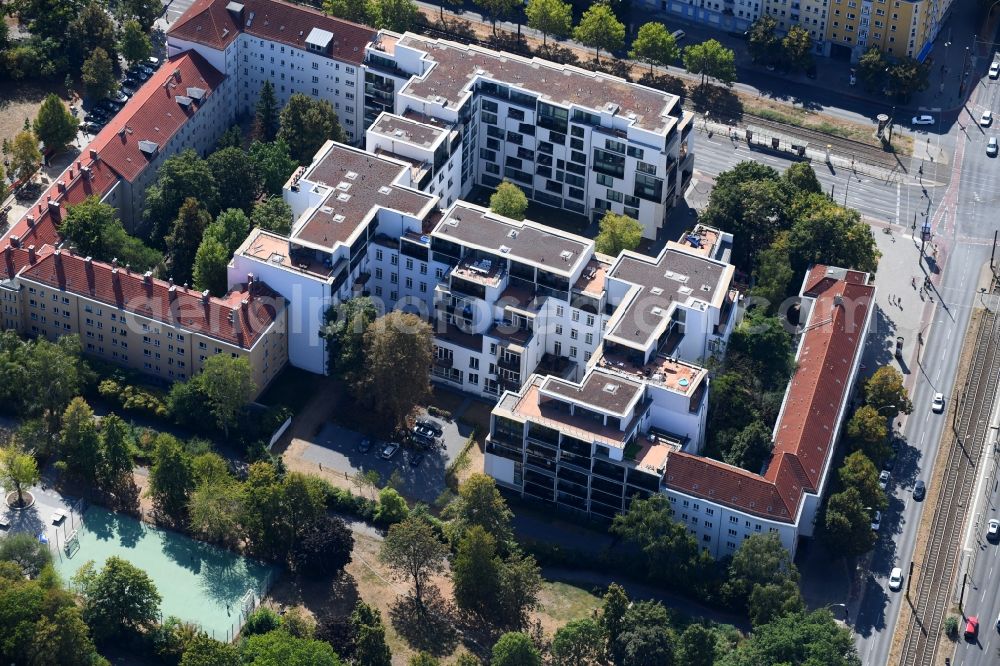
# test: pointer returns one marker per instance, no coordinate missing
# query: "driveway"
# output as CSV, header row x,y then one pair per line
x,y
336,448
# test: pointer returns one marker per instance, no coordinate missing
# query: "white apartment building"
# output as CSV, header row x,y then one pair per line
x,y
624,431
535,123
299,49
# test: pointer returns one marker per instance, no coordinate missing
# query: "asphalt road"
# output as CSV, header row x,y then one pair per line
x,y
963,225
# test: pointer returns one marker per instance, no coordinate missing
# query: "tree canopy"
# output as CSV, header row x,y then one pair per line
x,y
55,126
797,638
117,600
509,201
94,228
599,28
711,59
617,233
885,393
550,17
182,176
237,177
515,649
306,124
412,551
98,74
655,45
266,120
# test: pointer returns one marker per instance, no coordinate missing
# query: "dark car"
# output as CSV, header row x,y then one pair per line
x,y
811,72
416,459
365,446
919,490
95,117
424,441
141,73
432,425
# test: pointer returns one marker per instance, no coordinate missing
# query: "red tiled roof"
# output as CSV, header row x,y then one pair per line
x,y
154,114
221,318
209,22
808,422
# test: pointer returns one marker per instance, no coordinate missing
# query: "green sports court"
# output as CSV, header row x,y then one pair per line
x,y
199,583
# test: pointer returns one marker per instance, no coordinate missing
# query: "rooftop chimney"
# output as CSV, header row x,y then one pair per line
x,y
147,277
31,254
114,263
89,260
93,154
838,300
15,241
204,296
172,291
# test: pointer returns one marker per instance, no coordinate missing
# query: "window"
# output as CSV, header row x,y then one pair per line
x,y
558,329
573,334
572,352
589,338
474,362
559,311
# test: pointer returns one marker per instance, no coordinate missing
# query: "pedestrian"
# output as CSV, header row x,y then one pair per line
x,y
321,467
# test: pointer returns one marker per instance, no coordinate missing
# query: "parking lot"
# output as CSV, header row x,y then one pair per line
x,y
336,449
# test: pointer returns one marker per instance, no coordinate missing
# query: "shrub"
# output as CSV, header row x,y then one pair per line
x,y
261,621
392,508
951,626
440,413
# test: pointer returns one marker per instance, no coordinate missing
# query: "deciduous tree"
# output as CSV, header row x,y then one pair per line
x,y
92,29
397,15
711,59
871,69
184,238
907,76
648,638
171,478
496,10
479,502
324,548
98,74
802,178
860,473
180,177
413,552
55,126
211,263
115,472
476,572
885,393
618,233
761,559
599,28
798,638
81,446
797,47
578,643
763,42
696,646
119,599
826,233
18,471
228,386
369,642
274,164
515,649
279,648
272,214
550,17
133,42
867,431
509,201
237,178
144,11
397,357
847,524
25,158
94,228
214,509
205,651
344,333
751,447
358,11
27,552
654,45
306,124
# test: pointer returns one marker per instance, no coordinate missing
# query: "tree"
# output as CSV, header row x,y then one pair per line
x,y
115,471
696,646
773,600
648,639
885,393
358,11
712,60
324,548
397,15
860,473
509,201
578,642
119,599
760,560
92,29
214,509
666,545
144,11
763,42
871,68
272,214
599,28
479,502
392,508
27,552
180,177
133,42
797,48
801,177
184,238
25,158
369,643
616,604
908,76
847,524
230,228
618,233
94,228
261,621
867,431
274,164
476,572
424,659
55,126
98,74
762,342
751,448
279,648
344,334
515,649
81,448
237,178
228,386
47,19
654,45
265,125
413,552
210,266
17,470
397,357
798,638
171,478
205,651
497,9
550,17
46,375
520,584
830,234
773,274
306,124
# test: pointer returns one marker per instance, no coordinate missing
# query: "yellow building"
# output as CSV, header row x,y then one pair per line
x,y
134,320
897,27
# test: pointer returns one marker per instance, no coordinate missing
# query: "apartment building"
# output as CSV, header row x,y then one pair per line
x,y
898,27
582,141
132,319
593,445
297,48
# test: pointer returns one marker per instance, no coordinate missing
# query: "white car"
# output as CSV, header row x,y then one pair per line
x,y
993,529
877,521
923,120
991,147
883,480
937,405
995,70
986,118
896,579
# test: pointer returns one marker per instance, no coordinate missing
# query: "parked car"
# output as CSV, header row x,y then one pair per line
x,y
986,119
416,459
141,72
153,61
883,480
937,405
131,81
919,490
423,440
92,128
432,425
365,446
993,529
995,70
678,35
923,120
424,431
119,96
991,147
853,79
95,116
972,628
877,521
389,450
896,579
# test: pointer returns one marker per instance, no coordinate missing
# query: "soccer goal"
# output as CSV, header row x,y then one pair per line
x,y
248,601
72,544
